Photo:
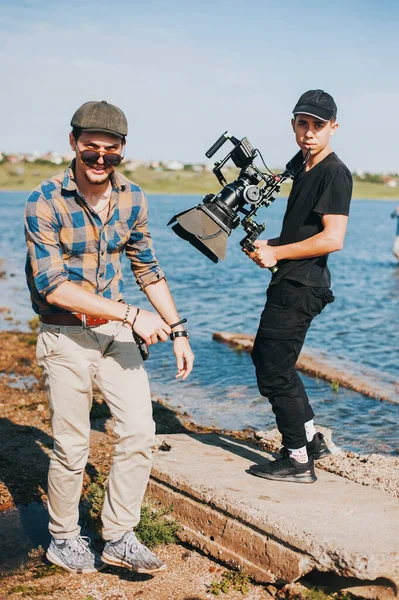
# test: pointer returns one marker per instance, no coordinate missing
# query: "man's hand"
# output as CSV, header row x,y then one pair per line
x,y
264,255
151,327
184,357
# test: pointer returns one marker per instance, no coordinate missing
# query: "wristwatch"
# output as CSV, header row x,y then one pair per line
x,y
176,334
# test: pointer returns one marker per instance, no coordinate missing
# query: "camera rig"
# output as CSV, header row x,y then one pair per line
x,y
207,226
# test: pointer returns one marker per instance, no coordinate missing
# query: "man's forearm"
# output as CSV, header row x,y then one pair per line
x,y
74,298
159,295
318,245
330,239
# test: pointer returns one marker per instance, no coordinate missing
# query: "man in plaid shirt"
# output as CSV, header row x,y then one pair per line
x,y
77,226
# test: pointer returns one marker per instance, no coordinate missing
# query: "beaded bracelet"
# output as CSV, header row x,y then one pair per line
x,y
129,306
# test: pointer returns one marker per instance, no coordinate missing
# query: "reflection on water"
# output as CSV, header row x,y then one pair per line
x,y
360,326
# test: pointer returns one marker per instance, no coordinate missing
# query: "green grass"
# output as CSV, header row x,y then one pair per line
x,y
156,526
231,580
315,593
26,177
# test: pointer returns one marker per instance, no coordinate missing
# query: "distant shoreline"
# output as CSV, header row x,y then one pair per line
x,y
149,191
185,182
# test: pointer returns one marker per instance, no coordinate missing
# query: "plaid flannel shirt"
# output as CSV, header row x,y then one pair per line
x,y
67,240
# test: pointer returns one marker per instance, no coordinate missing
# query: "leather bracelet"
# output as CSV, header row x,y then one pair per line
x,y
135,318
178,323
176,334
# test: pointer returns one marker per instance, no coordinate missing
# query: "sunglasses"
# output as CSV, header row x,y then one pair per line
x,y
90,157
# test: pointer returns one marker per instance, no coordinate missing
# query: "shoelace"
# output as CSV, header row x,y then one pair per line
x,y
80,544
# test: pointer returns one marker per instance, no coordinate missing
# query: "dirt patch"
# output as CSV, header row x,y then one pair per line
x,y
189,576
25,432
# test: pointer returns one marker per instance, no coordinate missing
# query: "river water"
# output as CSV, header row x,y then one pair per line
x,y
360,327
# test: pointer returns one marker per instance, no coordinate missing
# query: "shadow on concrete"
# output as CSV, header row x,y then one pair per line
x,y
245,449
168,422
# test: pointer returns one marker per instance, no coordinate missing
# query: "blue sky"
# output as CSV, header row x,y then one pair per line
x,y
185,71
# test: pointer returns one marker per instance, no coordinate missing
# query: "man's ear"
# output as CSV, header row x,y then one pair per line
x,y
293,123
334,128
72,141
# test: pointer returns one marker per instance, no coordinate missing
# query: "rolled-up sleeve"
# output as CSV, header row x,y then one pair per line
x,y
44,248
140,251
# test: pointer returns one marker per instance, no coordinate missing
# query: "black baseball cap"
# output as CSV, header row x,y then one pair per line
x,y
316,103
100,116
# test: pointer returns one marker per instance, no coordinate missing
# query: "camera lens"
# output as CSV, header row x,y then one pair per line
x,y
252,194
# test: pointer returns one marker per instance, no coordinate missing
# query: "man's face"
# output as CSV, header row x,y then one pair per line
x,y
311,132
103,143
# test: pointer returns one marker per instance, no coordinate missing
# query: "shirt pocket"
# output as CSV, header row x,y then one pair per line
x,y
118,236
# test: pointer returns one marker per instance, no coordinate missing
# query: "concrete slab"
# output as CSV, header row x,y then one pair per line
x,y
276,531
368,382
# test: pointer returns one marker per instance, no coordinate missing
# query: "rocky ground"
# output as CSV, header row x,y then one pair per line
x,y
26,442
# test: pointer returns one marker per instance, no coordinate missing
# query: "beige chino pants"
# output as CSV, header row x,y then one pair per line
x,y
72,358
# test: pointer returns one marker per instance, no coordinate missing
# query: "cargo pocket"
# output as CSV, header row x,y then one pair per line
x,y
318,299
325,294
291,294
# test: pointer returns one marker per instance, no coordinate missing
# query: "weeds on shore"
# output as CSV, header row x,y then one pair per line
x,y
231,580
34,324
156,527
309,592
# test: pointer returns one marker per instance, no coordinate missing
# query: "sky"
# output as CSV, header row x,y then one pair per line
x,y
186,71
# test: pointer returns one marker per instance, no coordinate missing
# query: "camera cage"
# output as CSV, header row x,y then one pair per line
x,y
208,225
243,155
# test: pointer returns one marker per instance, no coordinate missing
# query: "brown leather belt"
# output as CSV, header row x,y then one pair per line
x,y
79,319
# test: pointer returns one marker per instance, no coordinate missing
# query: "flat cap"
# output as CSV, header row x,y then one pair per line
x,y
100,116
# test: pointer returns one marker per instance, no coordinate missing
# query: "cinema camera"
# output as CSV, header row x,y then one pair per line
x,y
207,226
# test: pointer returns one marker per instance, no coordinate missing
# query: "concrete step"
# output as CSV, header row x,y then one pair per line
x,y
277,531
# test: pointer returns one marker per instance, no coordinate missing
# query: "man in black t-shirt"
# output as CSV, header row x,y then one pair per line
x,y
314,225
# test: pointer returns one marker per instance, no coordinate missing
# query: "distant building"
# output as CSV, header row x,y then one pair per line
x,y
131,165
174,165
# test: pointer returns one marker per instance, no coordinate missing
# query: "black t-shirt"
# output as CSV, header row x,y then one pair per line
x,y
324,190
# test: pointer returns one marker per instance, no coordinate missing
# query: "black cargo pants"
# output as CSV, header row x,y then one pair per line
x,y
289,310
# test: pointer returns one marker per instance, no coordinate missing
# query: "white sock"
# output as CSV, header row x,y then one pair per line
x,y
299,454
310,430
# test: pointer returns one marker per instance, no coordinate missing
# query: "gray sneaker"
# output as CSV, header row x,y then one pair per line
x,y
74,555
129,552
